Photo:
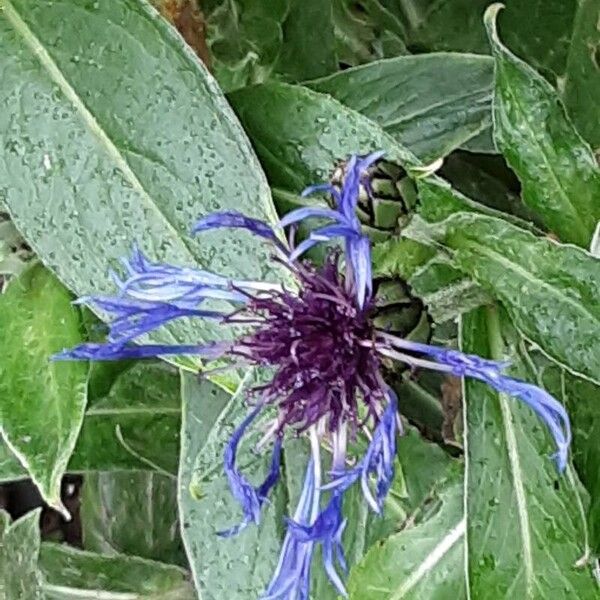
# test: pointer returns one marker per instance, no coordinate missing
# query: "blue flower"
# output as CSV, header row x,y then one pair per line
x,y
325,355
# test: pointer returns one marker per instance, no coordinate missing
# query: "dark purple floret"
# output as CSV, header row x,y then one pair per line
x,y
315,340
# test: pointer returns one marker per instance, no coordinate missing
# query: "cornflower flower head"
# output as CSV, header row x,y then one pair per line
x,y
325,353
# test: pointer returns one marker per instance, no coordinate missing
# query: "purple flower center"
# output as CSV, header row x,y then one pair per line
x,y
315,340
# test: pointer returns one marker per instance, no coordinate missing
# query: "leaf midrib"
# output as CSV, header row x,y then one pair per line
x,y
516,472
431,560
89,120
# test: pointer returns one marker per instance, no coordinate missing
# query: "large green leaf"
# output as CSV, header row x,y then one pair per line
x,y
135,427
41,402
19,547
525,526
300,135
239,567
582,83
115,133
557,169
550,290
131,513
430,120
69,573
423,562
547,288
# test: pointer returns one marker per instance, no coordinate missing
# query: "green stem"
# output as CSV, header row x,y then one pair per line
x,y
495,339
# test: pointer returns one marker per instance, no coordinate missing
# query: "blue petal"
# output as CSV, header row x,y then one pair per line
x,y
234,219
322,187
291,580
292,574
359,255
461,363
169,283
370,159
327,530
322,235
355,170
92,351
358,250
380,455
547,408
133,318
378,461
249,497
310,212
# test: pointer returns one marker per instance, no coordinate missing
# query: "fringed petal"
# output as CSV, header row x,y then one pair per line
x,y
250,498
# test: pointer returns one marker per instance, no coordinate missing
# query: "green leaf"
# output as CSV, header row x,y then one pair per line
x,y
131,513
10,467
134,427
399,257
580,397
582,82
445,290
244,39
549,290
69,573
308,48
123,140
557,169
421,562
19,547
525,529
42,402
206,505
300,135
430,120
422,468
539,30
438,200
